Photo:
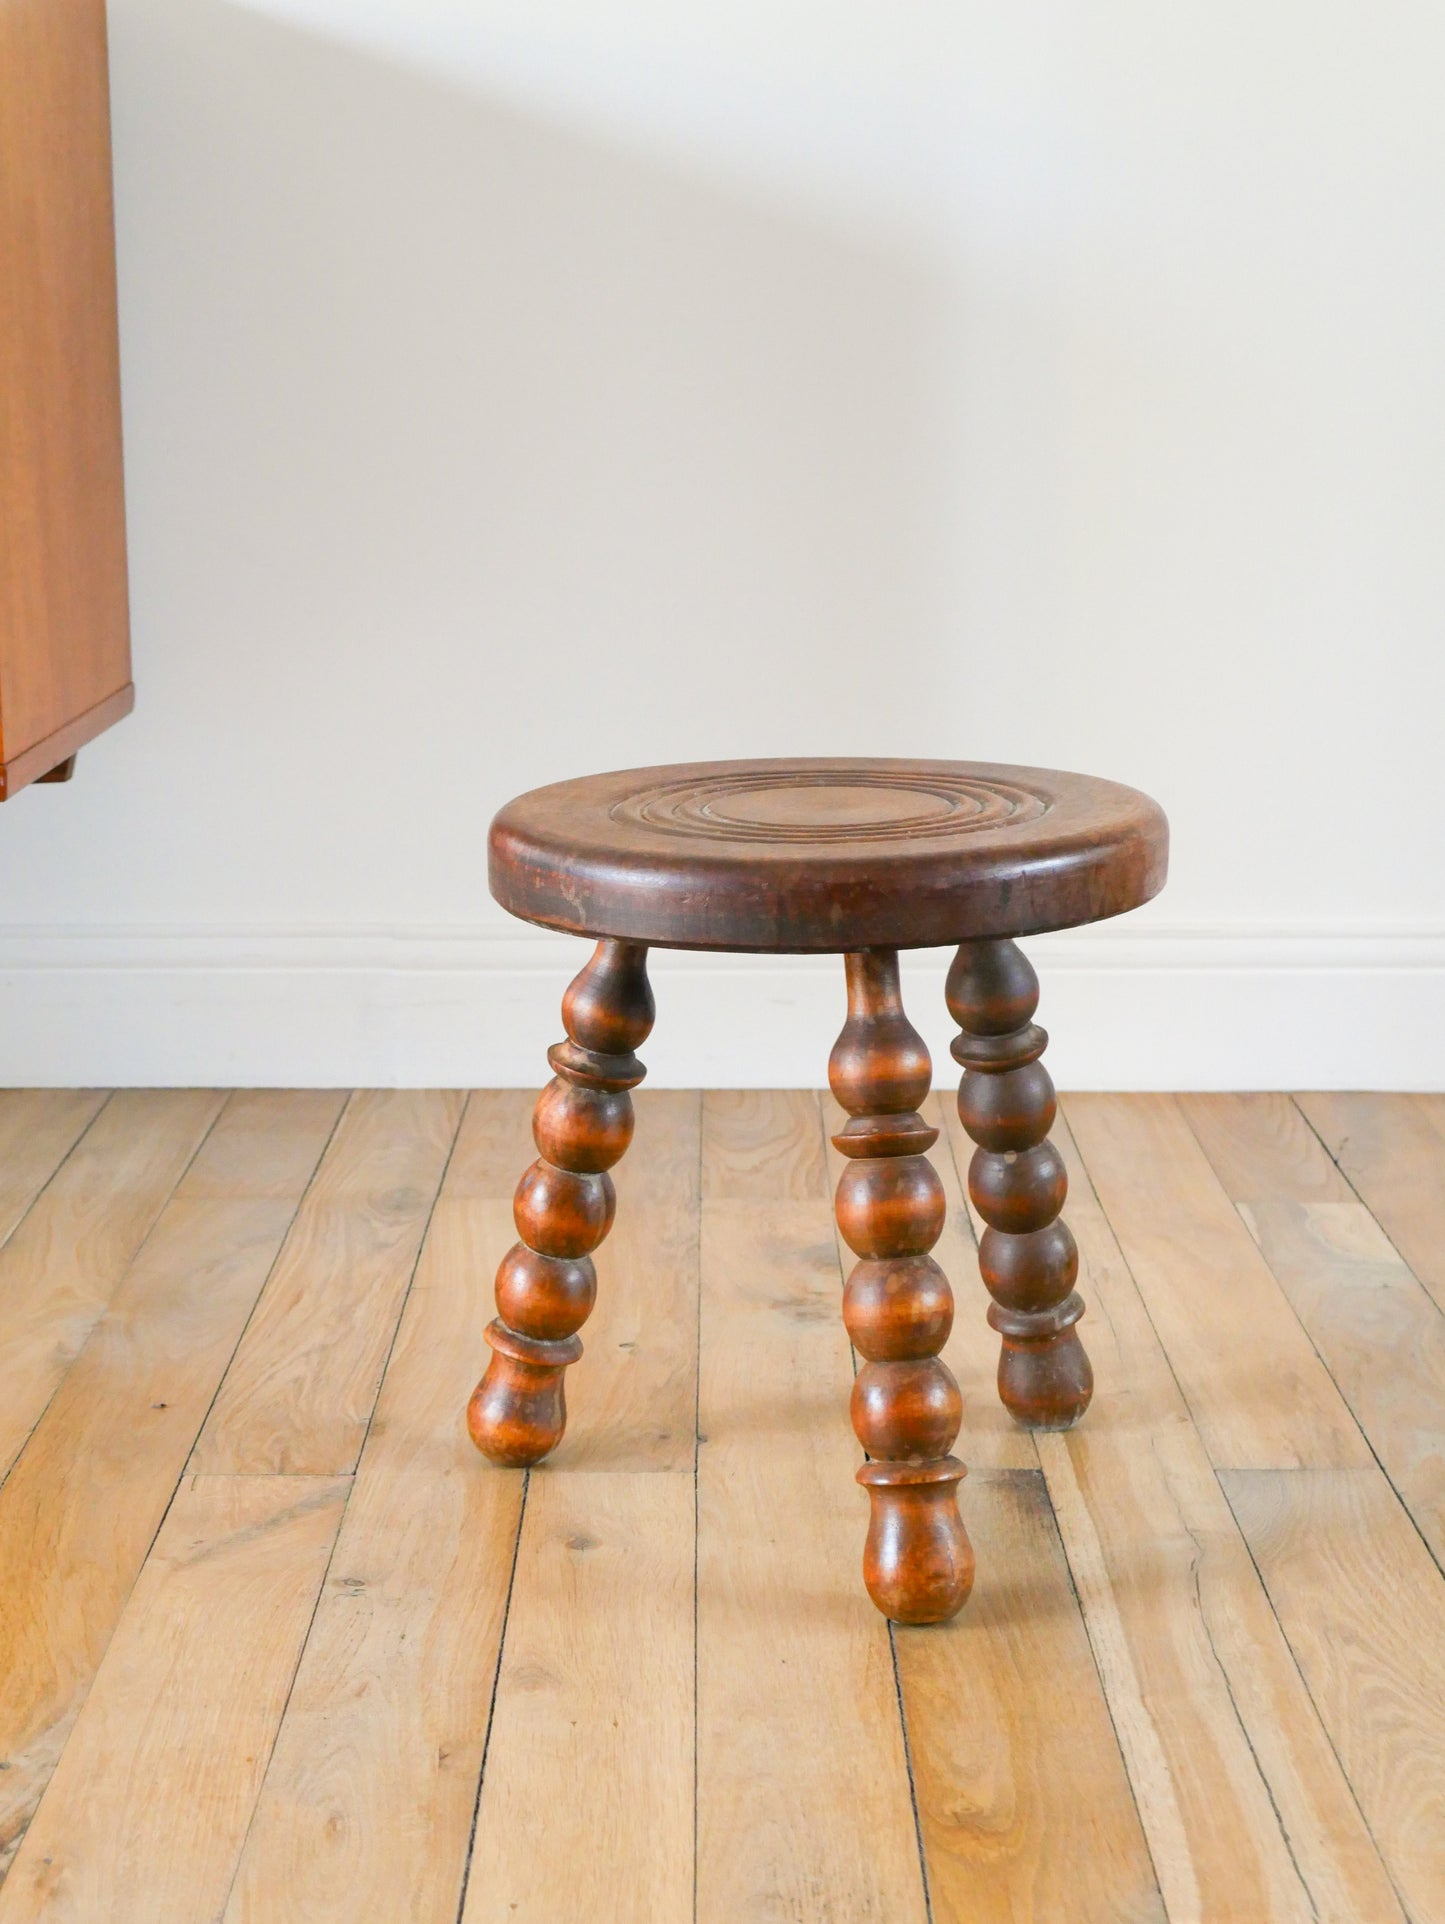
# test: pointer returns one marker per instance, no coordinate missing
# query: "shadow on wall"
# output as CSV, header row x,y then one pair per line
x,y
465,452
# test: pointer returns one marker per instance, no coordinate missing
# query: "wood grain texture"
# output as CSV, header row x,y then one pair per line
x,y
765,1145
890,1209
64,623
266,1145
1247,1813
1017,1184
1025,1809
1269,1773
587,1806
367,1805
83,1503
299,1394
1364,1609
800,1747
494,1144
38,1130
1379,1334
145,1814
62,1264
990,1438
1005,1828
564,1205
825,855
1261,1148
59,750
1392,1150
1256,1389
633,1396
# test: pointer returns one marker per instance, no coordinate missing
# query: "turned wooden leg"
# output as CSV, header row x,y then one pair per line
x,y
1018,1182
906,1408
563,1208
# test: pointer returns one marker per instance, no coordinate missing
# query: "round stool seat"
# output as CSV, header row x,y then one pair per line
x,y
825,855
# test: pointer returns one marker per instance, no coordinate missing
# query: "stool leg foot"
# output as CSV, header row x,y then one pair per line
x,y
563,1208
1018,1182
898,1308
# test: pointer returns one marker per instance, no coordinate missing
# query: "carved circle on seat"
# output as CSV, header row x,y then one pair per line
x,y
825,854
829,804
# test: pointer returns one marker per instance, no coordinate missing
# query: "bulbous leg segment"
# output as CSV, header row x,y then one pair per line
x,y
918,1561
1044,1376
906,1408
1045,1383
519,1409
1018,1182
563,1208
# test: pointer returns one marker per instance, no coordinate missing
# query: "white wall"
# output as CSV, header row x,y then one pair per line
x,y
512,391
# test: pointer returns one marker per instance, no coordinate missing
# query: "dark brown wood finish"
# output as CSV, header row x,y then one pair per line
x,y
563,1208
1017,1182
897,1306
775,856
860,858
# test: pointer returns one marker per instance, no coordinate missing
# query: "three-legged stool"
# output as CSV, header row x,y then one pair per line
x,y
862,859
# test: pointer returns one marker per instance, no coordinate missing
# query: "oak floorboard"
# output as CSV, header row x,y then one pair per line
x,y
1431,1105
144,1816
1363,1606
765,1144
1023,1800
266,1146
587,1805
1261,1148
1256,1388
300,1391
62,1263
1242,1799
38,1130
1139,1716
804,1809
494,1144
1380,1334
367,1806
1392,1150
84,1500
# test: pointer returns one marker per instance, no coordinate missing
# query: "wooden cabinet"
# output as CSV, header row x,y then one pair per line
x,y
64,623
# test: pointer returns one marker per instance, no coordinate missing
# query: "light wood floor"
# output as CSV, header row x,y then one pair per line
x,y
276,1644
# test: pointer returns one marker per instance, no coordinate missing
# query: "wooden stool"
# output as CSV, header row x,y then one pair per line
x,y
862,859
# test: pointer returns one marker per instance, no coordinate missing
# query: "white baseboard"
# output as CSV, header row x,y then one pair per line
x,y
1126,1008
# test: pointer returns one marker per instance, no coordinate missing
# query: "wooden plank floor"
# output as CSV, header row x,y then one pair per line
x,y
276,1644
